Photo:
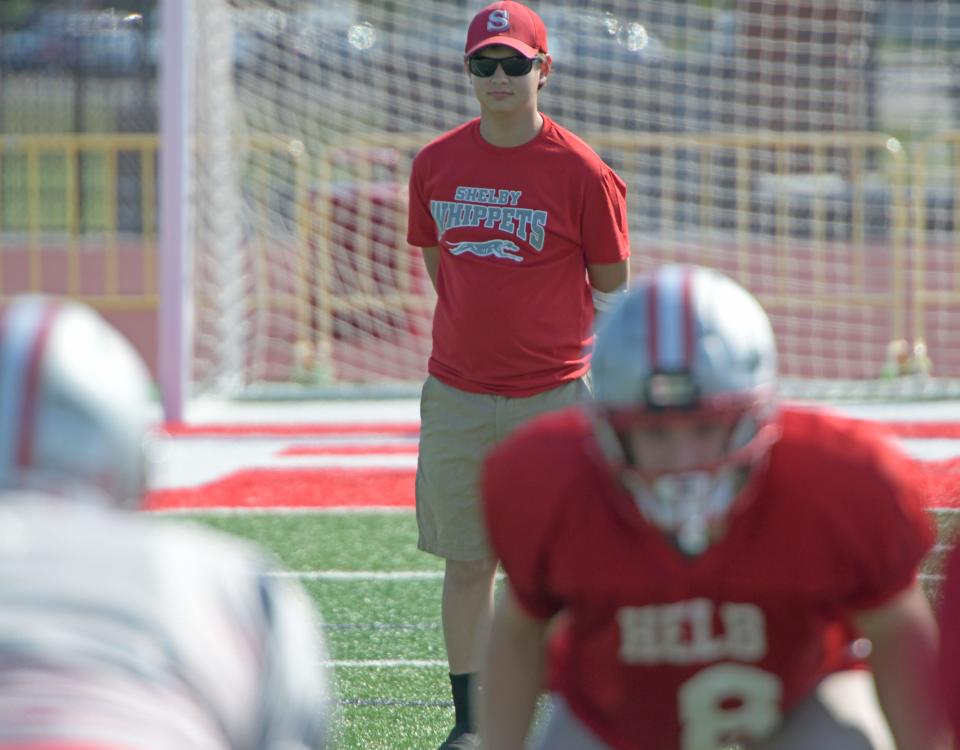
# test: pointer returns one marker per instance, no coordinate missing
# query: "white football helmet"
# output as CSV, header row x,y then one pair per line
x,y
687,343
74,402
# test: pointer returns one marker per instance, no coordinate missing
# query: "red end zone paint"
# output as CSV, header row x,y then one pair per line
x,y
179,429
395,488
324,488
310,488
365,487
924,429
354,449
943,483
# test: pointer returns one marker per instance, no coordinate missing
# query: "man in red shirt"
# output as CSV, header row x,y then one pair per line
x,y
524,233
696,553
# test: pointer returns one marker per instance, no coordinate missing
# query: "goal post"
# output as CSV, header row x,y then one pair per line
x,y
761,137
201,327
175,287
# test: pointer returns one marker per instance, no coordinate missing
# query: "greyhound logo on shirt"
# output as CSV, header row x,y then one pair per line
x,y
496,248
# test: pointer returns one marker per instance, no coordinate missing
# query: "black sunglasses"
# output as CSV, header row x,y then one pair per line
x,y
484,67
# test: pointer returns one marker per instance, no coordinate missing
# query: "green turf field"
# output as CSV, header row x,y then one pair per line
x,y
384,633
380,599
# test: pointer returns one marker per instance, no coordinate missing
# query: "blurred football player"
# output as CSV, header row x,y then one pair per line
x,y
118,630
950,637
694,552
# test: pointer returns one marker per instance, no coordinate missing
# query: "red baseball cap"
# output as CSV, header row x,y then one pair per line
x,y
508,23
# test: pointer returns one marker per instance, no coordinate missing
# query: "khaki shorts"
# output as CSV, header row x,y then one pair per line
x,y
457,429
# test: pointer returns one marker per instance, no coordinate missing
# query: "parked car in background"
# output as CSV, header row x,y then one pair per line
x,y
102,43
23,49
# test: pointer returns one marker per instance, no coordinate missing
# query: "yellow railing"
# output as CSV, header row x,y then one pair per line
x,y
937,284
63,192
43,194
819,155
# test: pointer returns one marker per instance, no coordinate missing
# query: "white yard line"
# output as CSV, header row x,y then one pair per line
x,y
363,575
388,663
285,510
360,575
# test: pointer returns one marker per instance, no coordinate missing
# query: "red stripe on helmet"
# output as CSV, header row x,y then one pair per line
x,y
31,385
652,339
4,322
5,348
689,325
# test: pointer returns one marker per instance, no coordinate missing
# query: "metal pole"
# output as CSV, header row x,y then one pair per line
x,y
175,278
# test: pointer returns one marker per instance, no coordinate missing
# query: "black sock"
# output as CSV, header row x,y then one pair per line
x,y
460,685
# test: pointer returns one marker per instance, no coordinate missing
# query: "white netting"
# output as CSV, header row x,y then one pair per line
x,y
807,147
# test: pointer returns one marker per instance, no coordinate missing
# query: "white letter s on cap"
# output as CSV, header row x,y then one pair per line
x,y
499,20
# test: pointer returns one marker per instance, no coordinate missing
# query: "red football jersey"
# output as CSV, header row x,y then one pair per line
x,y
516,228
950,638
658,651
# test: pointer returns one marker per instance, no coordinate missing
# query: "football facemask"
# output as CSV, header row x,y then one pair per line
x,y
689,500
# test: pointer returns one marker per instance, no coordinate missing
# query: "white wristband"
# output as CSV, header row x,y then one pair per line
x,y
604,301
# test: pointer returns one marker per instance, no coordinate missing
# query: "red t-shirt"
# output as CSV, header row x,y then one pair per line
x,y
656,651
516,228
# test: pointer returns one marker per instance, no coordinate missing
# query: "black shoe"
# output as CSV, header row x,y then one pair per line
x,y
460,739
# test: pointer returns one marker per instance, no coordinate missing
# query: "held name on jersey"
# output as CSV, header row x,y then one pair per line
x,y
690,632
